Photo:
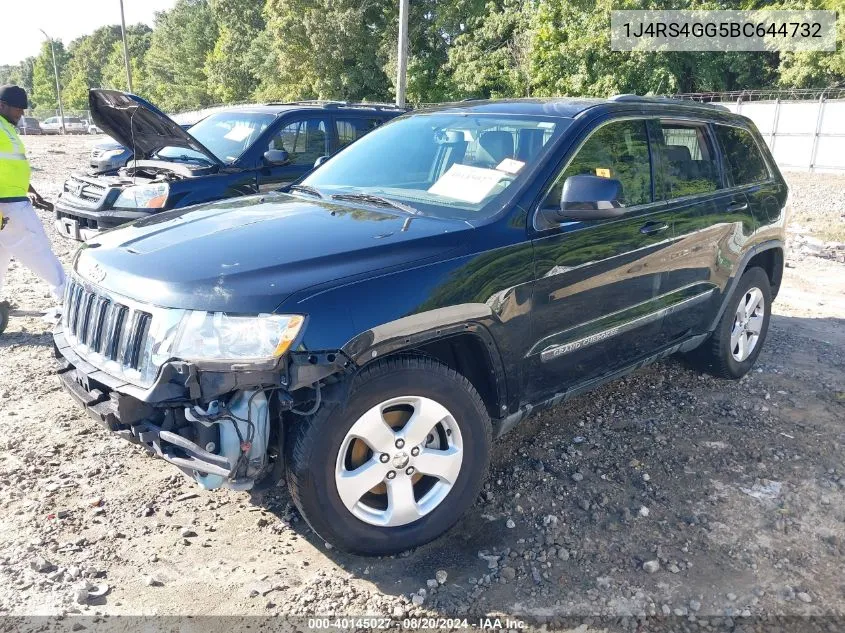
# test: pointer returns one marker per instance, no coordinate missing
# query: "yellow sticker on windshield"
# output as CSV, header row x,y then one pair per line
x,y
603,172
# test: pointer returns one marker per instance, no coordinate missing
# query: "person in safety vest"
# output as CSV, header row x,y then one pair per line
x,y
22,235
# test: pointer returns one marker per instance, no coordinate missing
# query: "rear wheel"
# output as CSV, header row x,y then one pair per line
x,y
739,336
397,464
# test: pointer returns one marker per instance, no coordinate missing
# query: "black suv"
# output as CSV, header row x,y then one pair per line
x,y
368,332
232,152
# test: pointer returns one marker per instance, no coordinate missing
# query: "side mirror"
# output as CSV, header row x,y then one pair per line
x,y
276,157
586,197
320,161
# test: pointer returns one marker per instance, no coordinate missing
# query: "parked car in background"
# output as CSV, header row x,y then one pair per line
x,y
108,155
29,125
93,129
232,152
369,332
73,125
51,125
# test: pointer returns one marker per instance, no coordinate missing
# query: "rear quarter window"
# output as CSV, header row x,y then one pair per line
x,y
743,160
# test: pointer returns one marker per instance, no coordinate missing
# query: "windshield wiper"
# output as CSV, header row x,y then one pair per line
x,y
184,158
377,201
306,189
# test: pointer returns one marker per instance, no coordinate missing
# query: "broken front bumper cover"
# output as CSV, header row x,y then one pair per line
x,y
119,414
131,412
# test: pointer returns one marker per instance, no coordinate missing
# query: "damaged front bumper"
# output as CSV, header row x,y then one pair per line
x,y
205,441
221,427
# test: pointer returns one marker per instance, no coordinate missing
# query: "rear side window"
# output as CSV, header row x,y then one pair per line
x,y
745,163
352,129
617,150
688,160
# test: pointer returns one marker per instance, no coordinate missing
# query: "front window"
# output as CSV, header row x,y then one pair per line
x,y
448,165
304,141
618,150
227,135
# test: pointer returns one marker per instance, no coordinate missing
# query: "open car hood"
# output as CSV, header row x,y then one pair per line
x,y
139,125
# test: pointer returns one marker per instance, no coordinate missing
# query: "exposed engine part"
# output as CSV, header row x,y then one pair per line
x,y
238,431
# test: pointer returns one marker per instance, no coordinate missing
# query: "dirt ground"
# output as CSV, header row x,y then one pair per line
x,y
730,494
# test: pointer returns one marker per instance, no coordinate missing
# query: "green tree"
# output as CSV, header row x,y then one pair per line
x,y
181,42
43,94
493,57
328,49
231,76
138,37
572,55
815,69
87,56
433,26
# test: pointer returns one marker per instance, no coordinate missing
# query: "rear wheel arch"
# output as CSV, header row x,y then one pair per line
x,y
771,260
769,256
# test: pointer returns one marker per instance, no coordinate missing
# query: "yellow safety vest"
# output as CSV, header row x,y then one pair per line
x,y
14,168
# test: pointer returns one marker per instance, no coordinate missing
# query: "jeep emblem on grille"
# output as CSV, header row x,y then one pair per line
x,y
77,188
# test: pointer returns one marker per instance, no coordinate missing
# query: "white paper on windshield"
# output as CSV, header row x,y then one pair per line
x,y
466,183
238,133
510,165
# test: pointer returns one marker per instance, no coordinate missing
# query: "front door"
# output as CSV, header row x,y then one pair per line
x,y
305,138
596,297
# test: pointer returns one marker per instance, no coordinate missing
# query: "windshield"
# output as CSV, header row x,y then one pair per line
x,y
448,165
227,135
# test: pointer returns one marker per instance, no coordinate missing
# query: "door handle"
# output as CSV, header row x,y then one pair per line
x,y
733,207
651,228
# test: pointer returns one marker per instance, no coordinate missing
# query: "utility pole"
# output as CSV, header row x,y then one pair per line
x,y
125,49
58,87
402,66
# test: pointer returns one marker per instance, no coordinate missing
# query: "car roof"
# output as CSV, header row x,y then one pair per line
x,y
570,107
283,107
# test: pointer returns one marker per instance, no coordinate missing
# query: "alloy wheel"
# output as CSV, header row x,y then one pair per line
x,y
748,323
399,461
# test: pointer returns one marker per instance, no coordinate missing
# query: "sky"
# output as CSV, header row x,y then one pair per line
x,y
66,20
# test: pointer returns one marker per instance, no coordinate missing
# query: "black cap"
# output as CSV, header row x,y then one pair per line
x,y
15,96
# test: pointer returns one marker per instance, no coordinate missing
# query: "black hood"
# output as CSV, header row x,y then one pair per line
x,y
139,125
246,255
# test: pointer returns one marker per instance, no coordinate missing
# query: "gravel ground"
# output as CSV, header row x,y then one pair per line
x,y
668,492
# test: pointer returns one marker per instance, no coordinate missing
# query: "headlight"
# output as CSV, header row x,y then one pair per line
x,y
217,337
143,197
111,153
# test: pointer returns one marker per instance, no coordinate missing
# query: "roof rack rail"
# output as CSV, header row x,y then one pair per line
x,y
328,103
662,98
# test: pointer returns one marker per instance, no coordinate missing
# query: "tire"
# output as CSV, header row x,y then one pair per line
x,y
718,355
321,449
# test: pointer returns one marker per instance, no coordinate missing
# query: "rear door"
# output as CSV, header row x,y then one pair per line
x,y
746,169
305,137
595,305
710,224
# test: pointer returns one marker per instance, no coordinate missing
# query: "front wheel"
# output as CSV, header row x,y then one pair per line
x,y
736,343
397,464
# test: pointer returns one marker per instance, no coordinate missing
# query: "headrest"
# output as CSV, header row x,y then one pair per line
x,y
678,153
497,146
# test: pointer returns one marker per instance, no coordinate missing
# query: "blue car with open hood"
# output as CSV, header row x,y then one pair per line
x,y
232,152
